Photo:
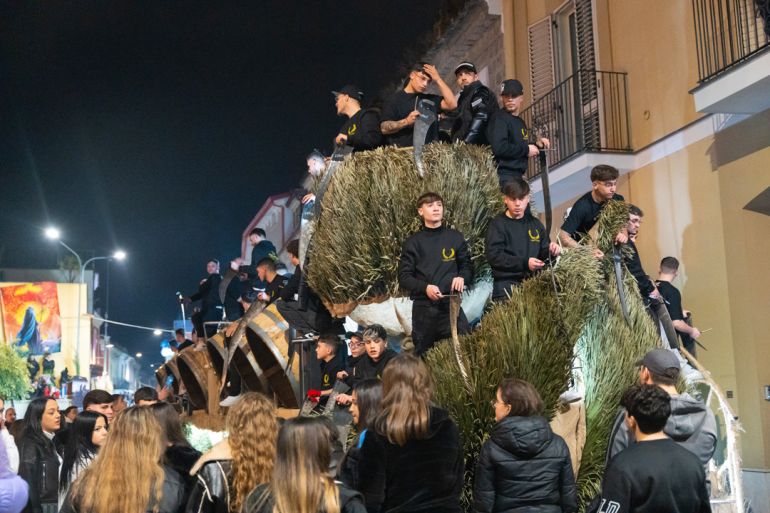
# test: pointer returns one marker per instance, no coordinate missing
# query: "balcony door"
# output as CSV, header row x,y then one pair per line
x,y
562,58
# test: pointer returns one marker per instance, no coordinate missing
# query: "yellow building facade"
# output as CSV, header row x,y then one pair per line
x,y
697,161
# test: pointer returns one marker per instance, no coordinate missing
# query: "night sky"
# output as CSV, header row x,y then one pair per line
x,y
161,127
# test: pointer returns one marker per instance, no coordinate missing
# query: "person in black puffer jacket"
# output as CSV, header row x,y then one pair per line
x,y
523,467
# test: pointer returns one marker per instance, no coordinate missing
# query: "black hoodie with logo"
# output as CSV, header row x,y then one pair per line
x,y
434,256
510,243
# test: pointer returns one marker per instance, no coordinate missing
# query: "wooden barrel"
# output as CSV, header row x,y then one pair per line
x,y
193,371
266,342
169,369
250,373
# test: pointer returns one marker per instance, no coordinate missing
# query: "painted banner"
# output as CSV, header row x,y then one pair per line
x,y
31,317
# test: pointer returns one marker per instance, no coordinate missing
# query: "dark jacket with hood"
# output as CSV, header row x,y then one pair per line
x,y
524,468
691,424
260,501
423,475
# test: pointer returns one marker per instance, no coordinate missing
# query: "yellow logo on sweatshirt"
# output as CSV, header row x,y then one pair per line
x,y
534,237
352,129
448,257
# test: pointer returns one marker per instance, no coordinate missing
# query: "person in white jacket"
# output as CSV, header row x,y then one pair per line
x,y
10,446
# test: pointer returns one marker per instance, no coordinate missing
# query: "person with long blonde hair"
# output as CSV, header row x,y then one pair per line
x,y
127,475
301,482
234,467
413,460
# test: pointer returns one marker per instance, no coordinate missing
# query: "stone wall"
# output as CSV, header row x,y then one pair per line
x,y
475,36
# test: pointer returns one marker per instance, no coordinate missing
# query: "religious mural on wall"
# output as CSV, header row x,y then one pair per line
x,y
31,320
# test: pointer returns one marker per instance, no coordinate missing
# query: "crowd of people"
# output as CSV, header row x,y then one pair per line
x,y
406,455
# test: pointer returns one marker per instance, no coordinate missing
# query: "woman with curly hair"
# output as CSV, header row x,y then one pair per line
x,y
234,467
88,433
301,483
411,458
127,475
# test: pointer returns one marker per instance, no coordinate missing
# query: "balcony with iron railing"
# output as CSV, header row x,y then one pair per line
x,y
732,40
586,119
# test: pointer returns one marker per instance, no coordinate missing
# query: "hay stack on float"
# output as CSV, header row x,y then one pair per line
x,y
368,212
565,324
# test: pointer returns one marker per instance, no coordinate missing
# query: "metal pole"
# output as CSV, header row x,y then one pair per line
x,y
82,282
77,316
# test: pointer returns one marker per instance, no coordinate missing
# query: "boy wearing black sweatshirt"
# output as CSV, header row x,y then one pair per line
x,y
517,244
655,474
372,363
435,264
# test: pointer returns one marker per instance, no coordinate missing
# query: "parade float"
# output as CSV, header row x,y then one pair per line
x,y
574,326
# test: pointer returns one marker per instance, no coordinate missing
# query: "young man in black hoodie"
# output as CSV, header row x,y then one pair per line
x,y
435,264
261,249
331,361
647,287
362,129
400,111
586,210
655,474
372,363
517,244
509,136
211,306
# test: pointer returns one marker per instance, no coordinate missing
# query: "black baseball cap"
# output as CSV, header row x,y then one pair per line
x,y
661,362
465,65
350,90
511,87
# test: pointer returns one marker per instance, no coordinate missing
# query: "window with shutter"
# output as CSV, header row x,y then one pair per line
x,y
541,72
588,93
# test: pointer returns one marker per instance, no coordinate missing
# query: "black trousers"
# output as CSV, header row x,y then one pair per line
x,y
502,288
505,175
315,318
198,318
430,323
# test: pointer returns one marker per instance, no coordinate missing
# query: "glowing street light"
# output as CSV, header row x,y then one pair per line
x,y
157,332
52,233
138,355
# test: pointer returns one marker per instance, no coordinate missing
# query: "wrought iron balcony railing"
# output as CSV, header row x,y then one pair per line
x,y
727,32
588,112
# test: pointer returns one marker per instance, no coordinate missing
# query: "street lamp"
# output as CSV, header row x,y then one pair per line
x,y
53,233
157,332
138,355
